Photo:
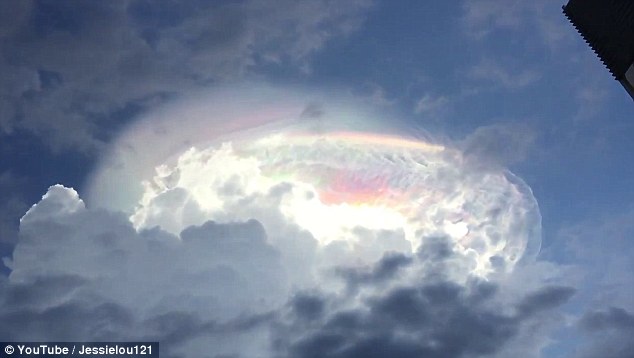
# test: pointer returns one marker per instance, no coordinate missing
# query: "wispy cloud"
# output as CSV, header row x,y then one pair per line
x,y
480,17
374,93
492,72
543,18
430,104
499,144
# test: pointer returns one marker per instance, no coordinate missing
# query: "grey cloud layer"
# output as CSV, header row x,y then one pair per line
x,y
609,333
70,70
430,317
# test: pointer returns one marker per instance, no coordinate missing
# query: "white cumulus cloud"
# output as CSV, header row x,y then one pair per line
x,y
228,289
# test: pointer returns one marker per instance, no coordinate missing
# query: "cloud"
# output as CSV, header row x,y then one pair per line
x,y
87,274
430,105
613,318
591,96
431,318
374,94
387,267
12,207
610,333
600,248
499,144
390,195
546,298
492,72
75,73
482,18
238,289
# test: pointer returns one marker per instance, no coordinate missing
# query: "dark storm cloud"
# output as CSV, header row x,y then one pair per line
x,y
66,316
68,321
612,318
307,306
609,333
546,298
387,267
431,318
177,328
39,292
438,320
385,270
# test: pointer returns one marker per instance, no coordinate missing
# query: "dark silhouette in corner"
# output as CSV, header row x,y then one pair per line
x,y
608,27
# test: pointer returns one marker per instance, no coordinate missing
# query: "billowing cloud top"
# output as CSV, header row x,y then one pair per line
x,y
236,289
318,162
342,186
284,227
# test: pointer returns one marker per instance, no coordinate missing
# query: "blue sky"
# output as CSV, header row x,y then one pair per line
x,y
509,80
